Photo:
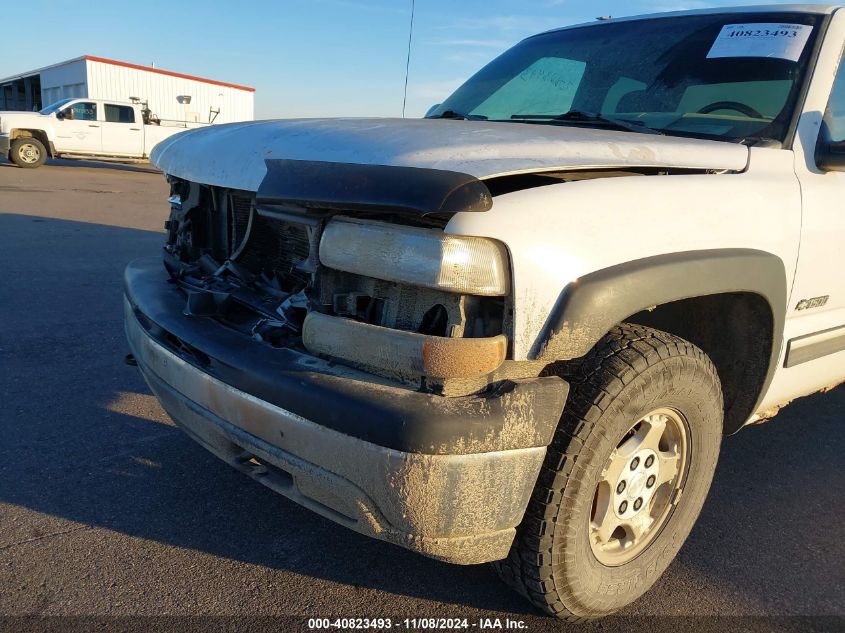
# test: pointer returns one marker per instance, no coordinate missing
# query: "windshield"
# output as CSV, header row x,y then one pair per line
x,y
709,76
53,107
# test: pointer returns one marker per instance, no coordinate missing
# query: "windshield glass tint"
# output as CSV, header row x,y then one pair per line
x,y
727,76
55,107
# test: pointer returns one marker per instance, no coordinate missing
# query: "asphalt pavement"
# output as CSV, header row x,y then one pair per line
x,y
108,511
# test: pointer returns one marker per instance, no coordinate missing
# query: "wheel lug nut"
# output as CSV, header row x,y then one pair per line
x,y
638,503
649,461
623,507
621,487
634,463
650,481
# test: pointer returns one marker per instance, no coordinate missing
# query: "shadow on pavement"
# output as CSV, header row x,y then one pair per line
x,y
61,162
772,525
82,444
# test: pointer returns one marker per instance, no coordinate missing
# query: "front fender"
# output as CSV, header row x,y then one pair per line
x,y
589,307
44,135
560,235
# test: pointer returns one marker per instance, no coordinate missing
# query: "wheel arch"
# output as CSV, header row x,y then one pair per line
x,y
729,302
40,135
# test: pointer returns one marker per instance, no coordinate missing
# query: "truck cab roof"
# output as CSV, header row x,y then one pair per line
x,y
819,9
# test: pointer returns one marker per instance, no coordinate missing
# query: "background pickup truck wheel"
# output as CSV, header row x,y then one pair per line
x,y
625,476
28,152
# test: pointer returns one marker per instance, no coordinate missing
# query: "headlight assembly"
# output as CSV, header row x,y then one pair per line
x,y
420,257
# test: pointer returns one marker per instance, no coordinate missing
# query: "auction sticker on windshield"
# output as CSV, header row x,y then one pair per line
x,y
783,41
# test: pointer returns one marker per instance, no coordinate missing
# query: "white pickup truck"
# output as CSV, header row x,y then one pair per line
x,y
518,329
82,128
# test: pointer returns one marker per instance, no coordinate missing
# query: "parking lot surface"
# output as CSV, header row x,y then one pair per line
x,y
107,509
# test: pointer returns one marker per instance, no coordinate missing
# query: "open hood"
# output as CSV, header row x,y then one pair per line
x,y
234,155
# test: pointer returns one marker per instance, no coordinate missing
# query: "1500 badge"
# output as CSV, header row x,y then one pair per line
x,y
815,302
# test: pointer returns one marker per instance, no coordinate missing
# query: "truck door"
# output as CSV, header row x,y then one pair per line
x,y
122,134
78,130
815,326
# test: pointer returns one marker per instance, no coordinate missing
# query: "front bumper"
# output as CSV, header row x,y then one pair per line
x,y
5,144
447,477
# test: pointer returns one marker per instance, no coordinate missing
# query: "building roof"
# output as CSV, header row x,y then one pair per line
x,y
114,62
150,69
30,73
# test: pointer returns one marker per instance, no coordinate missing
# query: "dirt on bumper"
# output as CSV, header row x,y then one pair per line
x,y
461,507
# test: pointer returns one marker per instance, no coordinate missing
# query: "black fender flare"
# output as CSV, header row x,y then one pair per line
x,y
590,306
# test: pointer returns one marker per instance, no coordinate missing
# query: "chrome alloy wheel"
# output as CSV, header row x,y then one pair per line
x,y
29,153
636,494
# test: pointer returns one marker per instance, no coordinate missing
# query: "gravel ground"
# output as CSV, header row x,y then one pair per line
x,y
108,510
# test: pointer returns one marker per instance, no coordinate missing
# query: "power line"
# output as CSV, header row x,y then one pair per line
x,y
408,60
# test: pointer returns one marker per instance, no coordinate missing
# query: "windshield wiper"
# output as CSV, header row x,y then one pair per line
x,y
451,114
579,116
761,141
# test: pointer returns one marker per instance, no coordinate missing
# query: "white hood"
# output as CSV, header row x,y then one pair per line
x,y
10,119
233,155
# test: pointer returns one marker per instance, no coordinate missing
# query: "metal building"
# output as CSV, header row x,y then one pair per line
x,y
170,95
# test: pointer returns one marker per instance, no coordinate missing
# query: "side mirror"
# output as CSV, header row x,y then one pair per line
x,y
60,115
830,155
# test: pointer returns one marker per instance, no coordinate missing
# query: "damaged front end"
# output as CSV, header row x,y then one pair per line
x,y
334,343
360,271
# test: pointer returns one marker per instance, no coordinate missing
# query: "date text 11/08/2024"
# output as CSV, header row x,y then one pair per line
x,y
416,624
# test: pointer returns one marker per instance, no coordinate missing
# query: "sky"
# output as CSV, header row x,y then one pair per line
x,y
307,58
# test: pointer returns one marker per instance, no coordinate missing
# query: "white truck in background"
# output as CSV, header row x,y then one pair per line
x,y
84,128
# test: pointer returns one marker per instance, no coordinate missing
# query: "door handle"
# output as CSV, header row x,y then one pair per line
x,y
93,126
135,129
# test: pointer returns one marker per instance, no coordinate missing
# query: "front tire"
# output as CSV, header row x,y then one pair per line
x,y
625,477
28,152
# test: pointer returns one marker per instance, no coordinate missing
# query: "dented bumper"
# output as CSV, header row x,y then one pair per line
x,y
447,477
